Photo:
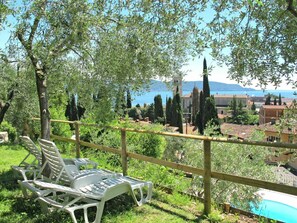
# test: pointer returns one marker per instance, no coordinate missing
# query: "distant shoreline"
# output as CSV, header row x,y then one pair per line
x,y
148,96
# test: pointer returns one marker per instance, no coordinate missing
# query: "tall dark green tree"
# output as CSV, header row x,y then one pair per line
x,y
195,103
268,99
177,113
274,101
279,99
151,112
199,123
206,89
233,107
253,108
120,102
174,112
168,110
129,100
158,106
211,116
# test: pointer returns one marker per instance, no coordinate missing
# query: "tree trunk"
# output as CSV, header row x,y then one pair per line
x,y
4,109
44,111
43,103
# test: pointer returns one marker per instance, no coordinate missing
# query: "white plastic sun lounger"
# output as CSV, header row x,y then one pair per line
x,y
68,175
86,188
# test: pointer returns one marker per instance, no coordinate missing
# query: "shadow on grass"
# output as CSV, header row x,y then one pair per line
x,y
119,205
183,217
8,180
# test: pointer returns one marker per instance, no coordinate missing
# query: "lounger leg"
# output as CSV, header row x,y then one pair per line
x,y
99,212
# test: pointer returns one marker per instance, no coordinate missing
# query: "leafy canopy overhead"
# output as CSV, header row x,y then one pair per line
x,y
133,41
256,40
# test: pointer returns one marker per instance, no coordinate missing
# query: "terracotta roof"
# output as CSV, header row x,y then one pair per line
x,y
187,95
239,131
274,106
274,128
230,96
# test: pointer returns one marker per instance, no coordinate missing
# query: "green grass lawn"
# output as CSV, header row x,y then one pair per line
x,y
163,208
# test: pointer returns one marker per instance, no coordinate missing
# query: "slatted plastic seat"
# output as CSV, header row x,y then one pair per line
x,y
33,167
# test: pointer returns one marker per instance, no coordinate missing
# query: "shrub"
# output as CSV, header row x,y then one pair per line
x,y
7,127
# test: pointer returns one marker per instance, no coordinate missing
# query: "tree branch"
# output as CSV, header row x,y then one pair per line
x,y
291,9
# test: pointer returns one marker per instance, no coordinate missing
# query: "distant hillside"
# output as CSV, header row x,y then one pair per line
x,y
189,85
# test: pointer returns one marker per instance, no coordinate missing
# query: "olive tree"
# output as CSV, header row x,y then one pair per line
x,y
258,38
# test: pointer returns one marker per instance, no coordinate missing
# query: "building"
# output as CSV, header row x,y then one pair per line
x,y
237,131
270,113
187,103
177,83
223,102
274,133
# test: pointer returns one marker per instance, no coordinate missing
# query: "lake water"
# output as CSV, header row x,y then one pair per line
x,y
148,97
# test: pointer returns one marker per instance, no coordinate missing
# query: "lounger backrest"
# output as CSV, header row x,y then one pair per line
x,y
31,148
59,171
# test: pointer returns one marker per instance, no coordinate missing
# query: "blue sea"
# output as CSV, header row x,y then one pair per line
x,y
148,97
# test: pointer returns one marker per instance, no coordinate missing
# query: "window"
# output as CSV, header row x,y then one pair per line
x,y
273,139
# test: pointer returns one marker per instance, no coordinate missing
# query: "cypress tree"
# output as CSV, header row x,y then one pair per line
x,y
206,89
253,108
129,100
274,101
174,112
150,112
268,100
212,114
279,99
159,113
199,123
195,103
180,121
168,110
177,115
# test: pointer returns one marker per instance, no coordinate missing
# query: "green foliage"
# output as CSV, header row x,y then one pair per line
x,y
279,99
241,115
258,36
199,120
129,100
7,127
195,103
225,160
253,108
211,114
215,217
145,144
57,111
289,118
135,113
177,115
206,89
150,112
168,110
158,107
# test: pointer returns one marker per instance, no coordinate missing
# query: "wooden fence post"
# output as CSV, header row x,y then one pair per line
x,y
207,177
77,139
124,152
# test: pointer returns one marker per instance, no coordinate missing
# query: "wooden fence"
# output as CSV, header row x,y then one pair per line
x,y
206,172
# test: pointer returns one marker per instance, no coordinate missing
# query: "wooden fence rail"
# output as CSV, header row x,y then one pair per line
x,y
206,172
